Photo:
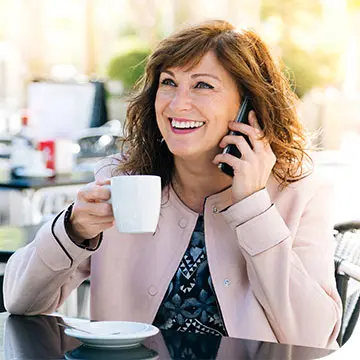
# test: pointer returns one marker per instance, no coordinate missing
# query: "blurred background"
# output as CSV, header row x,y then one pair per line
x,y
318,41
67,66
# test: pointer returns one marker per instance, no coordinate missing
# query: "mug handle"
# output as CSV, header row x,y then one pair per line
x,y
108,187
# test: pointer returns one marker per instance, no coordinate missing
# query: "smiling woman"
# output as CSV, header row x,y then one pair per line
x,y
248,255
204,67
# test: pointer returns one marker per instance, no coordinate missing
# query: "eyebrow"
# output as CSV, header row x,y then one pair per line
x,y
194,76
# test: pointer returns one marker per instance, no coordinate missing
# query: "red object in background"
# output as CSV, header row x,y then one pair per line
x,y
24,119
48,148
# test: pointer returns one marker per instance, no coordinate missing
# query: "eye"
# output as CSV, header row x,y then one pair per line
x,y
203,85
168,82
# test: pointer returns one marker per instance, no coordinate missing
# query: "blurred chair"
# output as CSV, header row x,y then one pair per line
x,y
49,201
101,141
96,143
70,306
347,275
83,300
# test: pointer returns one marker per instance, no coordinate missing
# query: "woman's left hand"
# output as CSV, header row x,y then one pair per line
x,y
252,170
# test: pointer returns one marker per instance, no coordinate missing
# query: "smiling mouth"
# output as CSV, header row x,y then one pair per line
x,y
176,124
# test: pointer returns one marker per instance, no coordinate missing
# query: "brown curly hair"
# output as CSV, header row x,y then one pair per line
x,y
245,56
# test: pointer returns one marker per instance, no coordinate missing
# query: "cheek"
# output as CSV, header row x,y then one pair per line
x,y
220,124
157,103
159,108
158,111
161,102
220,117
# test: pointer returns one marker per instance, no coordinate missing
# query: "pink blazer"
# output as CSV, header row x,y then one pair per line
x,y
270,258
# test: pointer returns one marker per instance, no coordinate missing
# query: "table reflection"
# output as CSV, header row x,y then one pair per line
x,y
41,337
36,337
137,353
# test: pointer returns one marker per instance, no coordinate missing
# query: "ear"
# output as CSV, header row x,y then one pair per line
x,y
253,121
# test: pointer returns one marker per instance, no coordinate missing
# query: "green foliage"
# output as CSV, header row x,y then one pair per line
x,y
128,67
308,69
310,62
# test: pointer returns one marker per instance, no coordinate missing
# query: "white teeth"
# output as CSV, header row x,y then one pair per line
x,y
186,124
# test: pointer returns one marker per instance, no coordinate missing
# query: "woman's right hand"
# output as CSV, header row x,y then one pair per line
x,y
91,213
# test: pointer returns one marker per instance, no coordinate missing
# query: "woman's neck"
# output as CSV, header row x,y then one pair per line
x,y
193,181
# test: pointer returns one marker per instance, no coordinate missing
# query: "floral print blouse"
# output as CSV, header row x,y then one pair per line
x,y
190,303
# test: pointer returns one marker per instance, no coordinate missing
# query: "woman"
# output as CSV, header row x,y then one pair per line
x,y
266,271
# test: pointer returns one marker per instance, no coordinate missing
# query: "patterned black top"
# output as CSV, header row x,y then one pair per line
x,y
190,303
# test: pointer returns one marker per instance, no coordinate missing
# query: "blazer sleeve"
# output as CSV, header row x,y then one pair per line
x,y
40,276
290,264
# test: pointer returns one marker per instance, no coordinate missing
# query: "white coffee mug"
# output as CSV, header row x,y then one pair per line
x,y
136,201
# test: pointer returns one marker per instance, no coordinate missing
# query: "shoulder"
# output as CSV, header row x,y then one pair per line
x,y
311,197
107,167
311,186
312,183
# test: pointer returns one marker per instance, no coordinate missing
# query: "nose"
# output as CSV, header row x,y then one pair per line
x,y
181,100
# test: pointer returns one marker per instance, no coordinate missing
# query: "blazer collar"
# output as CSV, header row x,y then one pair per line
x,y
220,200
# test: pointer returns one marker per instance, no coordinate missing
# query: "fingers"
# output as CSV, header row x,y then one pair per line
x,y
95,209
104,220
103,182
240,142
91,213
94,192
89,219
229,159
259,151
253,131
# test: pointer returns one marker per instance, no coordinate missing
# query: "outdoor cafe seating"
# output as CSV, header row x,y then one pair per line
x,y
347,274
28,201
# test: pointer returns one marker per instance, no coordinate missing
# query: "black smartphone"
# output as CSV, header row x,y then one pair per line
x,y
242,117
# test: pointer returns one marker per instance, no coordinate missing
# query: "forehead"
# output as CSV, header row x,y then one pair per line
x,y
209,63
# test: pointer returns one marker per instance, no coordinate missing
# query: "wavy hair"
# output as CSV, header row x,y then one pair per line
x,y
247,59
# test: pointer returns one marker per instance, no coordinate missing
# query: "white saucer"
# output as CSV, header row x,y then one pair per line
x,y
132,333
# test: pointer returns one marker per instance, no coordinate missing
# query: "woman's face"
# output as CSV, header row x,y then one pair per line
x,y
193,107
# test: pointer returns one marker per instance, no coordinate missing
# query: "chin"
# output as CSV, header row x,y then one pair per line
x,y
192,154
182,152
